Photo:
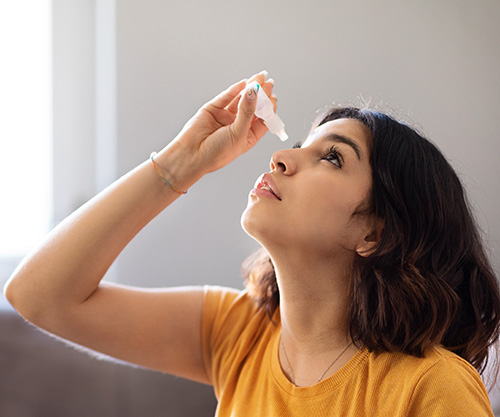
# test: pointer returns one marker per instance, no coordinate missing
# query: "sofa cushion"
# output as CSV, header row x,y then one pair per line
x,y
44,376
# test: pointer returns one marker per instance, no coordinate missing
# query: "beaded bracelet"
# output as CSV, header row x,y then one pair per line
x,y
164,179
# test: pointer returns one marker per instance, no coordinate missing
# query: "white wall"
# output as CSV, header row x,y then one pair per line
x,y
436,62
74,96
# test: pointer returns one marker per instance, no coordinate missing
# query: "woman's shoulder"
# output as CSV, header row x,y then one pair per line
x,y
441,357
438,371
216,296
437,360
440,380
224,300
230,310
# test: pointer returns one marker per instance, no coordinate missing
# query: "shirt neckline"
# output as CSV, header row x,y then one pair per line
x,y
326,386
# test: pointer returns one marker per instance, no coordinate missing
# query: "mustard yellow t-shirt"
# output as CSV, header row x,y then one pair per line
x,y
240,348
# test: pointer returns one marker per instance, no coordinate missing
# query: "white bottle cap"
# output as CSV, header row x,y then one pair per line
x,y
276,126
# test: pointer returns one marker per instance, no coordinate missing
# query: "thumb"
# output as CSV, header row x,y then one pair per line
x,y
246,110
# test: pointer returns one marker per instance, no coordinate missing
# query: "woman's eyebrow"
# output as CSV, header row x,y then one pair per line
x,y
335,137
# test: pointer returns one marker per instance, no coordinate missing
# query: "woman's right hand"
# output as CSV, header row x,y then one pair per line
x,y
223,128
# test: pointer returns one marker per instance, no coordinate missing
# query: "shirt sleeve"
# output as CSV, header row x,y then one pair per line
x,y
216,304
450,388
230,324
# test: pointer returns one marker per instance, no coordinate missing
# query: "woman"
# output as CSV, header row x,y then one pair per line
x,y
372,295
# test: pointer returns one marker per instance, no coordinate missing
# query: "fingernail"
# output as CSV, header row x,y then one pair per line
x,y
252,90
270,81
264,72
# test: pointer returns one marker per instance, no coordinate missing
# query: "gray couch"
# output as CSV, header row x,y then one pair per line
x,y
43,377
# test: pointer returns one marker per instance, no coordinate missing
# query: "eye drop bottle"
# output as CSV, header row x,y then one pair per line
x,y
265,111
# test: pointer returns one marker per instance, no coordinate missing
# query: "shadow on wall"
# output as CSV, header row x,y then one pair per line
x,y
41,376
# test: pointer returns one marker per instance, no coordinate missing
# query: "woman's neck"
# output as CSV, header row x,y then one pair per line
x,y
314,302
314,298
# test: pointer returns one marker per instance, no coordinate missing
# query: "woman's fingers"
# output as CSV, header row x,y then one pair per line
x,y
258,128
246,111
233,106
260,78
227,96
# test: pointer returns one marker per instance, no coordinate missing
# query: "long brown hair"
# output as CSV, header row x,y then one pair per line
x,y
429,281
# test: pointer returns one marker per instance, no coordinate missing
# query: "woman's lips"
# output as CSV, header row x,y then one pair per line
x,y
265,186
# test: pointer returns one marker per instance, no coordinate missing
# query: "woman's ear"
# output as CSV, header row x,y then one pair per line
x,y
371,240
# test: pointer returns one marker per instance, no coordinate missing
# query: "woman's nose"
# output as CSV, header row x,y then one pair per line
x,y
284,161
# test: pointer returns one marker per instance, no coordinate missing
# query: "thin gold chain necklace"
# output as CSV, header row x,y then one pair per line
x,y
290,370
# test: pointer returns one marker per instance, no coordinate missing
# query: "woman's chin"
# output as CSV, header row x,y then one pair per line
x,y
262,232
247,222
254,225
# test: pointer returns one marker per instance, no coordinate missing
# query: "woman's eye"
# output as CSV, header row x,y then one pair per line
x,y
333,156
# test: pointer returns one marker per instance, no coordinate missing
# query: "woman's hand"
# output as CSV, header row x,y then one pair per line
x,y
226,126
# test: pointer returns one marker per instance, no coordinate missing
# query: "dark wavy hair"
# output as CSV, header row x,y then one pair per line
x,y
429,281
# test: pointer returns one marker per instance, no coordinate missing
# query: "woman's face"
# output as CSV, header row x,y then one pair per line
x,y
307,201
